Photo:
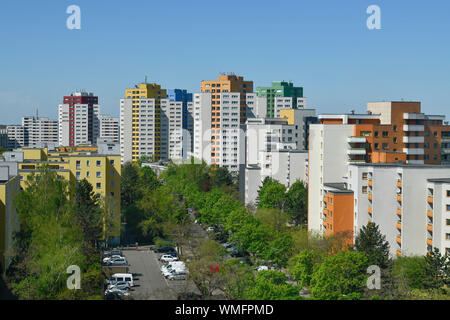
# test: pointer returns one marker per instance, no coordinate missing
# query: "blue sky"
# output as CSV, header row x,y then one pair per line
x,y
324,46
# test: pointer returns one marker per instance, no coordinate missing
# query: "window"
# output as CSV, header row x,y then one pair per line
x,y
112,162
88,174
447,236
88,163
448,222
364,189
99,163
364,175
448,193
99,185
448,207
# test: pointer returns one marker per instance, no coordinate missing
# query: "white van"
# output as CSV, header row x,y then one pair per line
x,y
127,277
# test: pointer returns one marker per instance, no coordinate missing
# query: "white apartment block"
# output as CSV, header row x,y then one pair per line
x,y
16,136
273,149
40,131
109,128
410,203
202,127
171,130
328,163
78,130
286,103
285,166
256,106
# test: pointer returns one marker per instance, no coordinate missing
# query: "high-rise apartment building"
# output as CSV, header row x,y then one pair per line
x,y
109,128
16,136
140,122
40,130
391,134
181,95
228,113
279,89
78,119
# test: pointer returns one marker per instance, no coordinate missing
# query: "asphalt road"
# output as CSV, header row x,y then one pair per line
x,y
149,282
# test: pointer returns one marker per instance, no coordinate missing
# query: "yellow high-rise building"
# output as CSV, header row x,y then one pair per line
x,y
145,91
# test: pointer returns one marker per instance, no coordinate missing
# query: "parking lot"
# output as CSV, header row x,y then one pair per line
x,y
149,282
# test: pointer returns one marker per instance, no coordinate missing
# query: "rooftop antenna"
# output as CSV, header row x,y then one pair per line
x,y
145,80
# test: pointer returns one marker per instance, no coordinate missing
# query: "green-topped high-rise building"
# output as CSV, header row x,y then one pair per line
x,y
279,89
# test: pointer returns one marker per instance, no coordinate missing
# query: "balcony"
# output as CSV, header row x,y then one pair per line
x,y
356,151
430,227
430,213
399,198
399,212
414,151
398,253
429,242
399,183
370,183
369,210
413,116
356,161
398,239
413,139
356,140
413,127
430,199
399,225
369,196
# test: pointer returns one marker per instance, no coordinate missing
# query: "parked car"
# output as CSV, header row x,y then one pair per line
x,y
164,249
177,276
117,262
176,269
118,277
115,292
122,285
210,229
172,265
262,268
168,258
105,260
116,253
174,272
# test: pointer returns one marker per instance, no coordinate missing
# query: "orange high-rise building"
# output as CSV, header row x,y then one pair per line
x,y
224,83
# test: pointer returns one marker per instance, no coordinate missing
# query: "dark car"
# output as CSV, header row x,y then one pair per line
x,y
116,253
165,249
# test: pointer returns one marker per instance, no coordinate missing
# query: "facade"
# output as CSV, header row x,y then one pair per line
x,y
279,89
275,149
109,128
172,130
387,136
16,136
202,127
40,130
140,122
286,103
9,188
228,113
78,119
73,164
3,137
186,98
410,203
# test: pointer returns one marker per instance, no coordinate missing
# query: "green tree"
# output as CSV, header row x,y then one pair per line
x,y
89,218
271,285
272,195
340,276
128,189
297,203
373,243
437,269
301,266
